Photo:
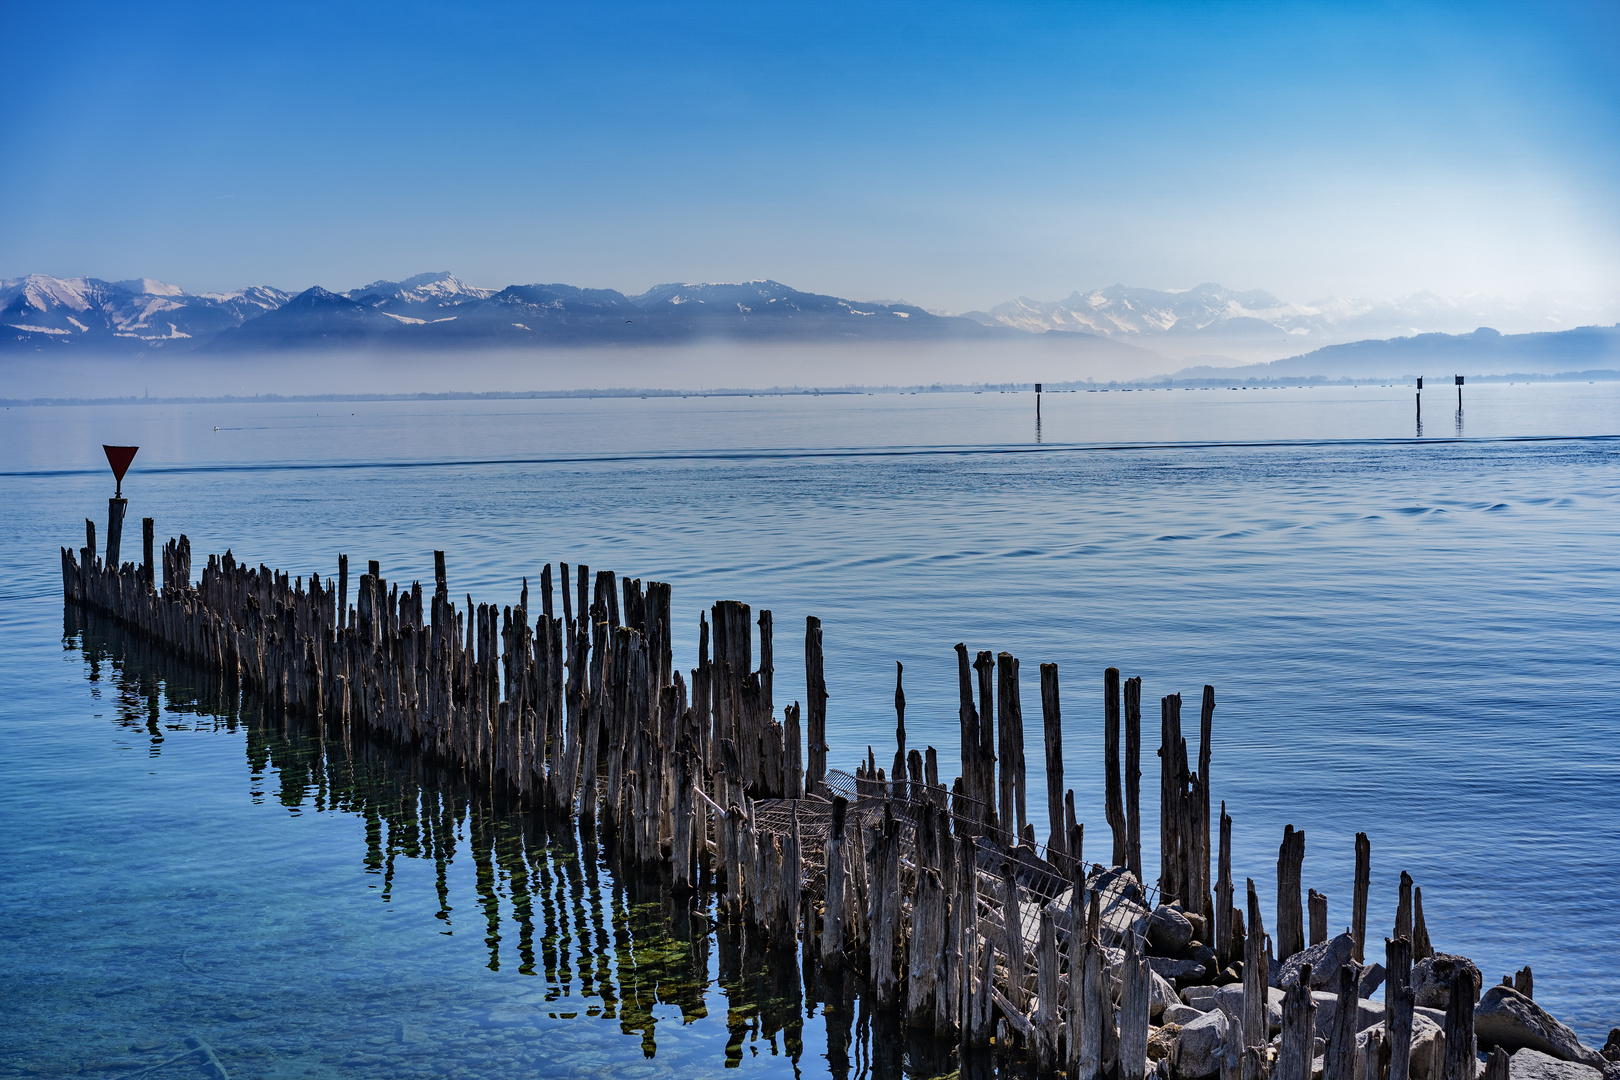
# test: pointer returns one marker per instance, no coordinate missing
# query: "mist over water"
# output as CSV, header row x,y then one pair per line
x,y
1408,637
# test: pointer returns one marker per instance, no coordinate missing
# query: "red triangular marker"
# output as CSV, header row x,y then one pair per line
x,y
119,458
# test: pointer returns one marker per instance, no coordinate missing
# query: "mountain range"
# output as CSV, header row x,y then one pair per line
x,y
1154,331
439,310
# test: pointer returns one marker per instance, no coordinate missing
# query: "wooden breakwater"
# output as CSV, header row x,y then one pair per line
x,y
940,897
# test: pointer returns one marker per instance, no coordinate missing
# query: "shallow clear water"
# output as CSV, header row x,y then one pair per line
x,y
1412,638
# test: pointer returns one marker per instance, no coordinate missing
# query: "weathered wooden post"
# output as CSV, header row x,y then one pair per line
x,y
1340,1063
1052,719
1290,917
1010,712
1358,910
1398,1005
1462,1051
1459,392
1294,1054
1422,948
1256,977
1114,808
1133,776
1224,952
1317,903
815,692
147,537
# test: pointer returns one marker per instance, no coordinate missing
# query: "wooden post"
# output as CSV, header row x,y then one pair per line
x,y
1358,911
1047,1015
1012,936
832,920
1114,807
1462,1051
1256,977
793,760
115,530
1206,731
968,721
1095,1003
1318,912
1010,712
1134,1001
1223,895
1524,983
1496,1066
1294,1053
1051,717
1133,776
1290,917
1422,949
1172,786
1403,908
1340,1063
1398,1005
815,692
147,537
899,717
984,665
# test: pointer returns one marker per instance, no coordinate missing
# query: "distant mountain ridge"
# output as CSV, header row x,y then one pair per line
x,y
1254,325
1583,349
438,310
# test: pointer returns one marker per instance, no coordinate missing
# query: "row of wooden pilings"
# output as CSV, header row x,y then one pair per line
x,y
940,895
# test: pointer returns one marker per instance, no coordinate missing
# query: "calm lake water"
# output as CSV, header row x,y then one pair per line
x,y
1411,637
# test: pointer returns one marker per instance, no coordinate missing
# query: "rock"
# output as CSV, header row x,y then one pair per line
x,y
1611,1049
1180,1014
1162,1042
1201,998
1228,975
1199,925
1371,979
1437,1015
1528,1064
1274,999
1325,958
1177,971
1168,931
1368,1013
1204,955
1431,979
1506,1018
1162,995
1198,1046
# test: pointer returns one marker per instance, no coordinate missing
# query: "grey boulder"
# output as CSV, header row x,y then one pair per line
x,y
1168,931
1201,998
1177,970
1506,1018
1179,1014
1431,979
1530,1064
1198,1047
1325,958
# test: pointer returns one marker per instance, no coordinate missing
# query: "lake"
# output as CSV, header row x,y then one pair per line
x,y
1409,634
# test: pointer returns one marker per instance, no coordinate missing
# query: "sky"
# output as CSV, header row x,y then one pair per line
x,y
950,155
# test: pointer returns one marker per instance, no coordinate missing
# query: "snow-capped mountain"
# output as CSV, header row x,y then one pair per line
x,y
1255,325
434,290
39,311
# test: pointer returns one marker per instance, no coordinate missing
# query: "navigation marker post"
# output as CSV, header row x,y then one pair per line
x,y
119,458
1459,393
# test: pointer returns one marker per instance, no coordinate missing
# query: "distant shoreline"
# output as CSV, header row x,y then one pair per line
x,y
1605,375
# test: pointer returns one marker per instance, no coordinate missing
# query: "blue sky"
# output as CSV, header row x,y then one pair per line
x,y
951,155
